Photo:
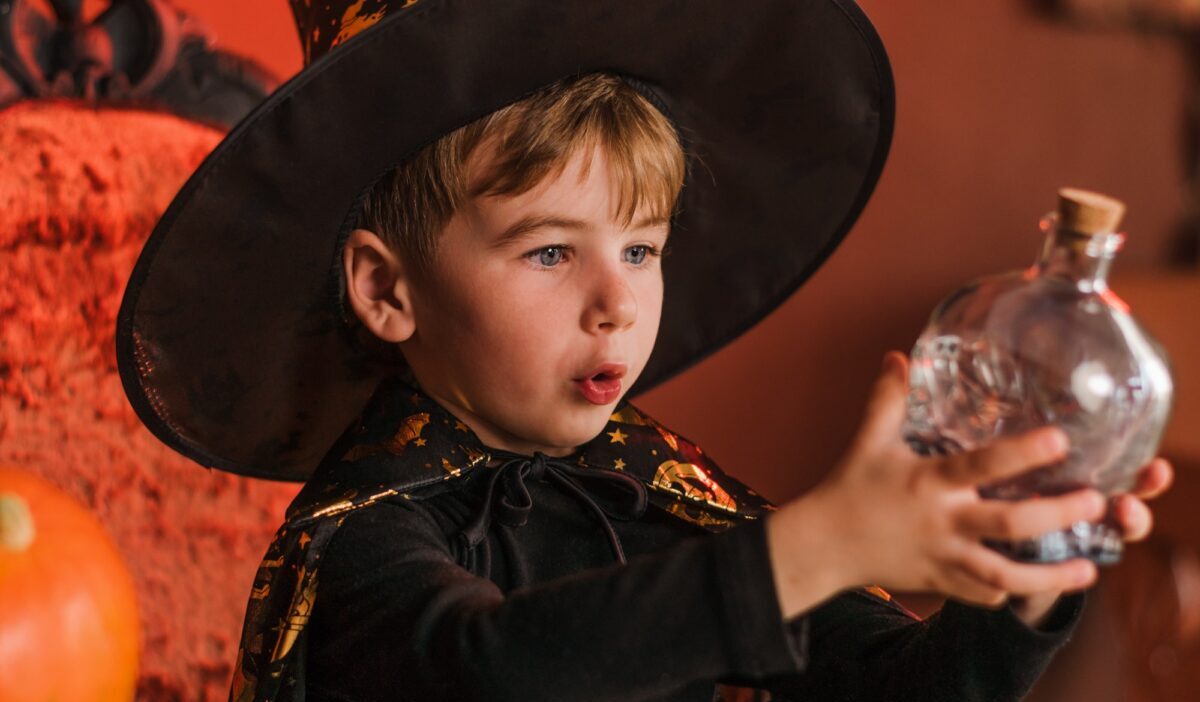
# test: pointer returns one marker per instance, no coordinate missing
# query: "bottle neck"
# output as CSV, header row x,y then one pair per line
x,y
1083,259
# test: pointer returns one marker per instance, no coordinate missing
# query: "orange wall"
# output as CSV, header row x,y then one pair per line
x,y
996,109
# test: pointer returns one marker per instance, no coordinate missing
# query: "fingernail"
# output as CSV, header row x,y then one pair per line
x,y
893,363
1085,575
1057,441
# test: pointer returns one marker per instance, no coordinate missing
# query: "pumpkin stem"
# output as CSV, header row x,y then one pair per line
x,y
16,523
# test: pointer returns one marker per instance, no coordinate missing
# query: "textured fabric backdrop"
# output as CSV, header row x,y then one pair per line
x,y
79,192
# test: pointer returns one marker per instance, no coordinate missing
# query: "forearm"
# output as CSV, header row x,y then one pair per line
x,y
639,630
862,651
417,622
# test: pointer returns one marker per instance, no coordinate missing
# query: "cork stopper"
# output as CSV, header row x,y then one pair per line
x,y
1087,212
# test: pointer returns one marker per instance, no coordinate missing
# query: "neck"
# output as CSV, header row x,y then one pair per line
x,y
489,434
1082,259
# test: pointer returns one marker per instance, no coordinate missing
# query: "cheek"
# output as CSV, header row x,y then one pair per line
x,y
650,296
454,320
650,299
518,323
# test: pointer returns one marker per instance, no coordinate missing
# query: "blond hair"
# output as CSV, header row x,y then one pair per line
x,y
534,138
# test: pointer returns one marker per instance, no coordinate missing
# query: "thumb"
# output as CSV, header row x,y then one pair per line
x,y
887,405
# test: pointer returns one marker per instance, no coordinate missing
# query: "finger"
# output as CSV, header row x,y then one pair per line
x,y
1023,519
1134,517
995,570
886,407
1154,479
1006,456
897,362
967,588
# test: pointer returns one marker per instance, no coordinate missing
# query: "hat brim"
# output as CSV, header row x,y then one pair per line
x,y
230,343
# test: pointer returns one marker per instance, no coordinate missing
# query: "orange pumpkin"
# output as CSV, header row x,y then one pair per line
x,y
68,612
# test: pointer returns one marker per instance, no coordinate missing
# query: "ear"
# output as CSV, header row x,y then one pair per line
x,y
377,287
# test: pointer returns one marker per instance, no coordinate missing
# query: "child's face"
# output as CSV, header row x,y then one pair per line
x,y
508,327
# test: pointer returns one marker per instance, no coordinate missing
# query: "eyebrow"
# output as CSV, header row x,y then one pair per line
x,y
529,223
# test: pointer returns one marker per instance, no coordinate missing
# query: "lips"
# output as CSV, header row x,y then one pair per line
x,y
602,384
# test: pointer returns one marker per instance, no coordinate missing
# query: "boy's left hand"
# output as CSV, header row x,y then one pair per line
x,y
1134,519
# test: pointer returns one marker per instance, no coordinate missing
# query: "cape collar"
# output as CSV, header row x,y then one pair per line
x,y
404,442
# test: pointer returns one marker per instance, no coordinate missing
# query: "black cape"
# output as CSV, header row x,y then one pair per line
x,y
418,563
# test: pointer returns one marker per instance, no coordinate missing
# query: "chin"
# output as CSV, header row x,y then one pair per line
x,y
582,431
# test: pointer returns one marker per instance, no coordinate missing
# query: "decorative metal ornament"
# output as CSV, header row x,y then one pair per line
x,y
134,53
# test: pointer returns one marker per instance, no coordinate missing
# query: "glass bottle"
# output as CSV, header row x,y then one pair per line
x,y
1051,344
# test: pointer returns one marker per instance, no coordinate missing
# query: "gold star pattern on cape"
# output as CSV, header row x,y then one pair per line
x,y
679,478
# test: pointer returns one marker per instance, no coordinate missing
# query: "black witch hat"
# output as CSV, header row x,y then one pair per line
x,y
231,339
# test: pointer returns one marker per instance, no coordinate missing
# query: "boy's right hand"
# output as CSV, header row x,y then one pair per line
x,y
889,517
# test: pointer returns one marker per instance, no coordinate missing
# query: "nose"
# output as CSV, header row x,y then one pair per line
x,y
612,305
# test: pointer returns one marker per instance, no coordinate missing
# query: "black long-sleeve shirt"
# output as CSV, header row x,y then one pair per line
x,y
418,563
400,614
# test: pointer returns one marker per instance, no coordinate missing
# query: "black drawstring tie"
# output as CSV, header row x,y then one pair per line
x,y
513,504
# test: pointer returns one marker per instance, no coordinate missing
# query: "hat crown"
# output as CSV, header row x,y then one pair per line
x,y
324,25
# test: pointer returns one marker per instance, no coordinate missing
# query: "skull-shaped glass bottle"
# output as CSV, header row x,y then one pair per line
x,y
1051,344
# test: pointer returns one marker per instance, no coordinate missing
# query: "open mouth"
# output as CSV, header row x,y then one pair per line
x,y
603,386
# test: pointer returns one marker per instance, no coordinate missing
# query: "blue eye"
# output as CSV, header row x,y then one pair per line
x,y
637,254
549,257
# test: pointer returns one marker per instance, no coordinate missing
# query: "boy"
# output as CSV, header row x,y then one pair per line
x,y
504,278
